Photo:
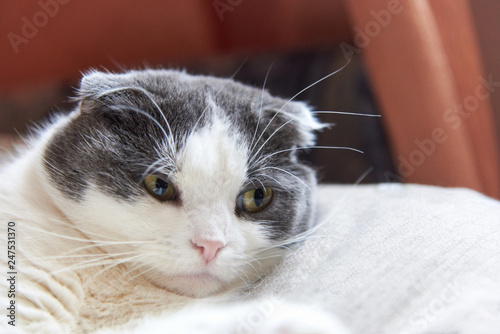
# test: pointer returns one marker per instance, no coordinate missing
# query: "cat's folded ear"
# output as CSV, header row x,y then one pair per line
x,y
94,83
94,86
306,123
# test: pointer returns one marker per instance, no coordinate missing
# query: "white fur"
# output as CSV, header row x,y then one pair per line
x,y
83,264
263,316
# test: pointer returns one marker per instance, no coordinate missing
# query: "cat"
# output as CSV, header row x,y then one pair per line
x,y
160,199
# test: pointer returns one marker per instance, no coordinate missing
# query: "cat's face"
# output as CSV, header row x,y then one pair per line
x,y
190,180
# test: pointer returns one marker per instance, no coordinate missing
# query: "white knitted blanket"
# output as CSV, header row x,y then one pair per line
x,y
399,259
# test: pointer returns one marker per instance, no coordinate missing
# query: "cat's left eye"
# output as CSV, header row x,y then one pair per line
x,y
159,188
255,200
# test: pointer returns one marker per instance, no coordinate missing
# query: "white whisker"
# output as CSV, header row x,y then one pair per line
x,y
287,172
269,177
345,113
122,261
143,113
340,201
260,109
165,163
148,94
345,148
300,92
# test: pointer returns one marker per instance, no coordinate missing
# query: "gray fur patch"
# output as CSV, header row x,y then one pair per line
x,y
124,121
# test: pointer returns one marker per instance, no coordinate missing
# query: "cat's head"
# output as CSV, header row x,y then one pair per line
x,y
194,181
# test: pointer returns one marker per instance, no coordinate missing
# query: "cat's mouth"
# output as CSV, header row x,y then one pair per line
x,y
196,278
193,285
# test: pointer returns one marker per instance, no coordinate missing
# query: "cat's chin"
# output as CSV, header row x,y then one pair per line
x,y
195,285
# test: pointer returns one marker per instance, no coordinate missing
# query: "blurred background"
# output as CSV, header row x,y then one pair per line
x,y
429,68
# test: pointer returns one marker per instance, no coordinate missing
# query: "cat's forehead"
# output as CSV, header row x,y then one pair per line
x,y
185,101
212,164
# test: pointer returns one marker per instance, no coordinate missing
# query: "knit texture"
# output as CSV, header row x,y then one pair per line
x,y
396,258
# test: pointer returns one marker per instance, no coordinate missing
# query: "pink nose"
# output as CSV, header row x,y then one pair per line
x,y
208,248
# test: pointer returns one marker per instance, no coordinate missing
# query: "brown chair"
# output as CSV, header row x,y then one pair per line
x,y
426,69
422,56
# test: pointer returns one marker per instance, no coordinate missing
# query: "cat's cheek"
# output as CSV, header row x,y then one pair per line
x,y
107,218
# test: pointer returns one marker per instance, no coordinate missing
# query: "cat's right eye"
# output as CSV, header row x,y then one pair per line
x,y
159,188
255,200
